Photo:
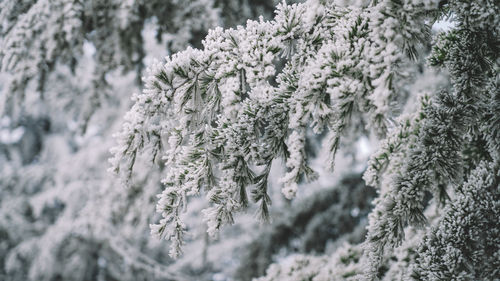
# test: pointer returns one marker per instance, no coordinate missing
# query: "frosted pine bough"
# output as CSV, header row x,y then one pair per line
x,y
222,112
221,115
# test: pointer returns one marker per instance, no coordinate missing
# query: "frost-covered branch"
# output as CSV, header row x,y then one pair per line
x,y
222,114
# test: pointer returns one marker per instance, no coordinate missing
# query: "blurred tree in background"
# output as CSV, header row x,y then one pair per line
x,y
68,70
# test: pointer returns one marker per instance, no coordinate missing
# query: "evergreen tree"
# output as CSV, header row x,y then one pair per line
x,y
218,120
220,115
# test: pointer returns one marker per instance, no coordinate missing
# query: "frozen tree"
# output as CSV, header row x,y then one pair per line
x,y
219,116
448,145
